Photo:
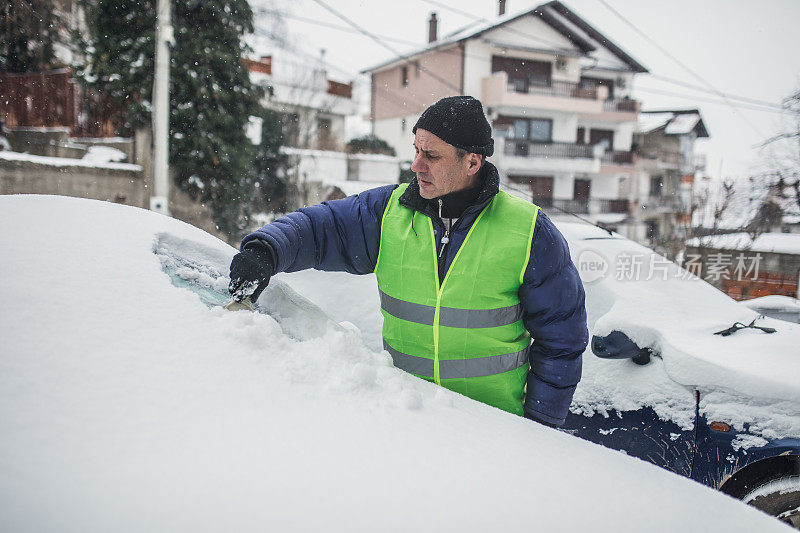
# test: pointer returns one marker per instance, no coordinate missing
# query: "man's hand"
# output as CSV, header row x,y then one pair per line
x,y
251,270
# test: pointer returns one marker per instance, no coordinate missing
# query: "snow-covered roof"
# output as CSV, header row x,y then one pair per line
x,y
674,122
682,124
652,121
780,243
116,374
583,36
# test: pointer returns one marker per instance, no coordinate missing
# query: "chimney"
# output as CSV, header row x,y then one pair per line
x,y
501,8
432,28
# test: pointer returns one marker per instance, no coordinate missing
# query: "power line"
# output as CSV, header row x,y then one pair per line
x,y
725,96
679,62
383,44
731,96
265,11
765,106
711,101
282,44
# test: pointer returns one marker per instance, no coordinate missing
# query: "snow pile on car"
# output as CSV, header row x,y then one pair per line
x,y
127,404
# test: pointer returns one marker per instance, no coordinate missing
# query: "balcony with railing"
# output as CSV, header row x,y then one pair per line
x,y
624,105
564,89
558,95
558,150
529,156
592,206
617,157
583,206
617,205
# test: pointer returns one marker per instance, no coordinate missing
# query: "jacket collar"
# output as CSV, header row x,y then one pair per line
x,y
490,187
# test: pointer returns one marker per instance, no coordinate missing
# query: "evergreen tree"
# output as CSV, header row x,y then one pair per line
x,y
28,31
211,95
270,188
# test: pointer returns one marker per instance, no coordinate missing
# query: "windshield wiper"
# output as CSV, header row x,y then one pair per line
x,y
739,325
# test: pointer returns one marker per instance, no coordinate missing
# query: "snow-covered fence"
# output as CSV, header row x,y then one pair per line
x,y
32,174
54,99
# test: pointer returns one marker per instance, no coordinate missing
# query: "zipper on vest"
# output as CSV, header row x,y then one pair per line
x,y
446,236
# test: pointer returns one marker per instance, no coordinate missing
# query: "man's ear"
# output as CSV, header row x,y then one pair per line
x,y
475,163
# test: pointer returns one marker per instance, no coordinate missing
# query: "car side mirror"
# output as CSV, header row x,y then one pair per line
x,y
617,345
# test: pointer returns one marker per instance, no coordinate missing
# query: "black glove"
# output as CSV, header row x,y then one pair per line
x,y
250,270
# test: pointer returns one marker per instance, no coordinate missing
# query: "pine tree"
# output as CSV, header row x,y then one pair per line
x,y
28,31
211,95
270,187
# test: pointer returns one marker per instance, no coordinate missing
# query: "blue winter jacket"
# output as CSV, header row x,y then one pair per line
x,y
343,235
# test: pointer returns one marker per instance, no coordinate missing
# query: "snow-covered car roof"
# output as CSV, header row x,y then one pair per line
x,y
128,404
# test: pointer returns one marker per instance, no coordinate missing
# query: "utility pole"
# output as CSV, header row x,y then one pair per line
x,y
159,201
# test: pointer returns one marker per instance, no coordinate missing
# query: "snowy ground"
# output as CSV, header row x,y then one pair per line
x,y
126,404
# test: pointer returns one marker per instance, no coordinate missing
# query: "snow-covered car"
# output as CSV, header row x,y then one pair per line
x,y
131,400
722,410
677,384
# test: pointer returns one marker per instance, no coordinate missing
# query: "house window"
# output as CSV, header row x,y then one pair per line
x,y
592,83
291,129
324,133
404,76
541,130
581,137
656,187
541,188
651,231
581,190
603,137
523,73
526,131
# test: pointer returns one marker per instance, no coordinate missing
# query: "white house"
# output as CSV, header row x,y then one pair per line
x,y
313,109
558,95
663,194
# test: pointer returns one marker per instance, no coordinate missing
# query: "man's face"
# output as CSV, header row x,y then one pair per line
x,y
439,169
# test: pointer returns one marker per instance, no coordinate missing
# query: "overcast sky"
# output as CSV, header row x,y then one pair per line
x,y
741,48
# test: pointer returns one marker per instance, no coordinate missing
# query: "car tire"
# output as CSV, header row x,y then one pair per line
x,y
780,498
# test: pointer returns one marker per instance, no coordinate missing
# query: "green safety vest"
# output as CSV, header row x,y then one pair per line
x,y
466,333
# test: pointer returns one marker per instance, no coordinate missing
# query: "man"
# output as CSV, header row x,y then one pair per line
x,y
467,274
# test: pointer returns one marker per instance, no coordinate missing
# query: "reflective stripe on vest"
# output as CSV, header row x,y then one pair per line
x,y
450,317
460,368
465,333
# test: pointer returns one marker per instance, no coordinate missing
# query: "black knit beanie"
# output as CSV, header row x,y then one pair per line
x,y
459,121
